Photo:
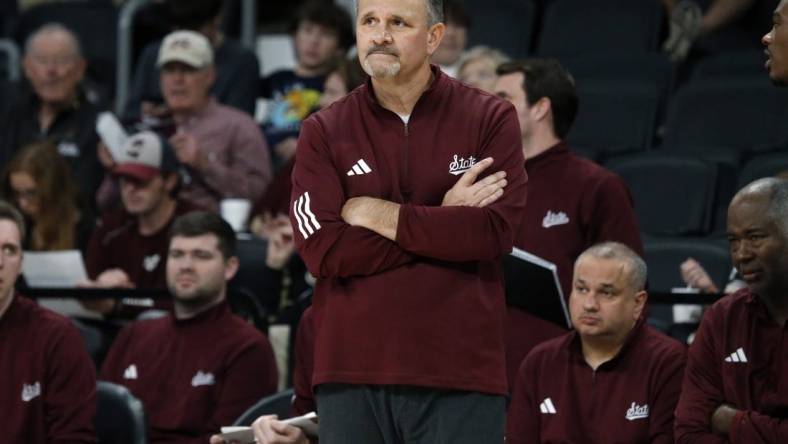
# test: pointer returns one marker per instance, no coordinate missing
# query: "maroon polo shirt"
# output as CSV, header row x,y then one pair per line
x,y
427,309
559,398
47,379
739,357
193,376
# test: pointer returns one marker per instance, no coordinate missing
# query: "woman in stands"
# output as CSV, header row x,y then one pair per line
x,y
38,181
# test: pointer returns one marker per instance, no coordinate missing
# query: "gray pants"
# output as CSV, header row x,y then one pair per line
x,y
368,414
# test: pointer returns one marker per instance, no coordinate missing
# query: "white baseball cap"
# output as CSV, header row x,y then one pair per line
x,y
145,156
189,47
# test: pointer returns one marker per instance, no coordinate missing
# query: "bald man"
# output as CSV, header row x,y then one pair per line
x,y
733,387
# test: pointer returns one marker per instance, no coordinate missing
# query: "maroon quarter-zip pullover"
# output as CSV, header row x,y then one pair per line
x,y
427,309
193,376
559,399
739,357
47,379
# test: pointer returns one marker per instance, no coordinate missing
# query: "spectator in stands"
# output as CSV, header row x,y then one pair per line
x,y
731,391
477,67
345,77
129,247
39,181
237,69
713,26
455,39
613,379
222,150
56,108
49,382
199,368
322,32
573,203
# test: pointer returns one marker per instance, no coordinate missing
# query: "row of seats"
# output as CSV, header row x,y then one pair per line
x,y
566,27
120,417
687,195
735,116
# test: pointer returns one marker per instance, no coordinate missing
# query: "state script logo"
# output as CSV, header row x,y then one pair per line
x,y
637,412
553,219
460,165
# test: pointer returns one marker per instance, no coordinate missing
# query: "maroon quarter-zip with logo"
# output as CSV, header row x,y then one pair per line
x,y
559,399
426,309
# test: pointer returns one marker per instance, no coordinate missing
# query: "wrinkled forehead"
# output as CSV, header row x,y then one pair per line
x,y
410,9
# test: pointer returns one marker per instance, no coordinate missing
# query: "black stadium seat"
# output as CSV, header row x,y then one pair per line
x,y
509,26
120,418
745,116
276,404
665,255
763,166
614,117
673,195
573,27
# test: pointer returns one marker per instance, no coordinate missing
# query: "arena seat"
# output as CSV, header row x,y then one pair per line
x,y
742,115
276,404
120,418
764,165
615,117
517,17
673,195
572,27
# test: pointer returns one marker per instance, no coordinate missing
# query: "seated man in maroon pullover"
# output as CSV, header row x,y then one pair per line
x,y
48,382
405,242
573,202
734,390
612,380
199,368
129,247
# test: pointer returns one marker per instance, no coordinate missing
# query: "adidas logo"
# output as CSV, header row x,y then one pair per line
x,y
203,379
547,407
359,168
553,219
737,356
307,222
130,372
30,391
637,412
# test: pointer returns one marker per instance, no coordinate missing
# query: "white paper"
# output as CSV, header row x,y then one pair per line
x,y
112,134
244,435
53,269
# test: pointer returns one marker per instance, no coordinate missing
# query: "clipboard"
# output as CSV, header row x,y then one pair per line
x,y
532,284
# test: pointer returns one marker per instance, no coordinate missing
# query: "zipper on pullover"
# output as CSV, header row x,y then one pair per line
x,y
405,188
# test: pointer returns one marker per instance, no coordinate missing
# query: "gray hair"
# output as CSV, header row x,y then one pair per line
x,y
434,11
776,190
636,266
483,52
53,28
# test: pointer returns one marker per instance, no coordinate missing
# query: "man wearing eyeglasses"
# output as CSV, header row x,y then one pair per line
x,y
53,105
48,388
